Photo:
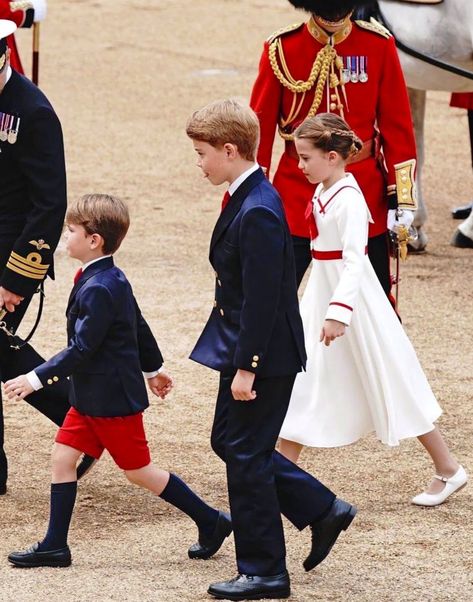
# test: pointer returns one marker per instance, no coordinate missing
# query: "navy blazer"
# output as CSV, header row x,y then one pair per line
x,y
109,345
255,324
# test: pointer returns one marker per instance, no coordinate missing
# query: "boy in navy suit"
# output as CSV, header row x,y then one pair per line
x,y
254,338
110,344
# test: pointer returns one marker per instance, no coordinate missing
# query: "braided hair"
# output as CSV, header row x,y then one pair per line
x,y
329,132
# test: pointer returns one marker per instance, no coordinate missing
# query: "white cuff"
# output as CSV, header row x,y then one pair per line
x,y
40,10
340,312
34,380
153,373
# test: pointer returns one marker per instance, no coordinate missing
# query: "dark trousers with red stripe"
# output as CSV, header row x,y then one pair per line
x,y
378,252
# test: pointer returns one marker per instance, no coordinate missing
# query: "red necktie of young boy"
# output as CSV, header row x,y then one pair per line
x,y
226,198
78,275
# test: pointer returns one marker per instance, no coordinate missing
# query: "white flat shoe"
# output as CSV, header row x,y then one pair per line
x,y
452,484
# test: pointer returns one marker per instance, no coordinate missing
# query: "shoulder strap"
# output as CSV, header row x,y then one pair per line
x,y
375,27
283,31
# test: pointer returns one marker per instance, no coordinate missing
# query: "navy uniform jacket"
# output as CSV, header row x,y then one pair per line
x,y
109,345
255,323
32,186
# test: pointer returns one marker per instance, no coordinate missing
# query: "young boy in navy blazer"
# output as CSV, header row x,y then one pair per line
x,y
110,345
254,338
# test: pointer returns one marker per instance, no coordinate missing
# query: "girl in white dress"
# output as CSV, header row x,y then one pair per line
x,y
370,379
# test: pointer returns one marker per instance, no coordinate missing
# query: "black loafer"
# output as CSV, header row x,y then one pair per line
x,y
33,557
3,488
462,212
326,531
461,241
252,587
208,546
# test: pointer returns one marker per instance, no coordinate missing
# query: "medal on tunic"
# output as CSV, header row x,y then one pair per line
x,y
3,133
13,133
363,69
346,70
354,78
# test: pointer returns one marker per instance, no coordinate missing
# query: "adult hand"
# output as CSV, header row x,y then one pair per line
x,y
9,300
242,386
161,384
331,330
18,387
405,218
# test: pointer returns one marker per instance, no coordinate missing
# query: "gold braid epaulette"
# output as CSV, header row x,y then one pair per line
x,y
375,27
284,30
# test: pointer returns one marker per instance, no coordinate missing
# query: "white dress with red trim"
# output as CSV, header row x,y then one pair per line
x,y
369,380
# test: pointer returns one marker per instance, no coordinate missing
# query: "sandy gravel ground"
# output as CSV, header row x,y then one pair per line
x,y
124,75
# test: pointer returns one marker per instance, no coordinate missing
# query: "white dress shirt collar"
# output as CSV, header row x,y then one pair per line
x,y
86,265
241,178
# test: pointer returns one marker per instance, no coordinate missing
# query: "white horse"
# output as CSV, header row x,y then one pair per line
x,y
443,31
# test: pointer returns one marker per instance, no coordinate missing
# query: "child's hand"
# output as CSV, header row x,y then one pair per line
x,y
242,386
161,384
331,330
18,387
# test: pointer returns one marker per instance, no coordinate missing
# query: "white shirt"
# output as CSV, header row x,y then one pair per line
x,y
241,178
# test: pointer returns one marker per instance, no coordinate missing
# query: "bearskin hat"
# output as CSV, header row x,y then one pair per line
x,y
332,10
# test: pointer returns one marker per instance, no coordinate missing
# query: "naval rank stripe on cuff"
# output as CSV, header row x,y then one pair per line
x,y
341,305
30,267
32,270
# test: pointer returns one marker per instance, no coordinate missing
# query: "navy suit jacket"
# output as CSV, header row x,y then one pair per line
x,y
255,324
109,345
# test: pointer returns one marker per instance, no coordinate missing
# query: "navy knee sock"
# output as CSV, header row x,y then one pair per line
x,y
178,494
63,497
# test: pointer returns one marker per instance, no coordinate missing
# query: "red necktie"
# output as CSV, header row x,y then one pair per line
x,y
78,275
226,198
309,216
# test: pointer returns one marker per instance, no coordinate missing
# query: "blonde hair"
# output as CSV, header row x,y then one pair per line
x,y
226,121
330,132
101,214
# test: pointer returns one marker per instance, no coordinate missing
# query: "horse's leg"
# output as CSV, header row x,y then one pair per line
x,y
463,236
417,99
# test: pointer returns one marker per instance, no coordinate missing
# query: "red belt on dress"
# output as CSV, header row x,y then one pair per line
x,y
327,255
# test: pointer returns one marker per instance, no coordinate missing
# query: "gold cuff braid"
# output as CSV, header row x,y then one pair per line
x,y
405,185
20,5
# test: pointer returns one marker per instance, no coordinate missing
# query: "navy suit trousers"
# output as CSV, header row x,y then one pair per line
x,y
262,484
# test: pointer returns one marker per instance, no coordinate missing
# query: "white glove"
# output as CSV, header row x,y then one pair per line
x,y
40,10
405,218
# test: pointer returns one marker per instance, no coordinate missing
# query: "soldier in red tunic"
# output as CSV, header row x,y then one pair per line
x,y
351,68
23,13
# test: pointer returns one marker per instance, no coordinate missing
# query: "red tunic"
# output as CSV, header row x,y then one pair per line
x,y
380,102
18,17
463,100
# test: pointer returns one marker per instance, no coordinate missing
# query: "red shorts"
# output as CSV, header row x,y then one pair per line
x,y
122,436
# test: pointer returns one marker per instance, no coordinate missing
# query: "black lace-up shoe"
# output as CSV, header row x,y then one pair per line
x,y
326,531
252,587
